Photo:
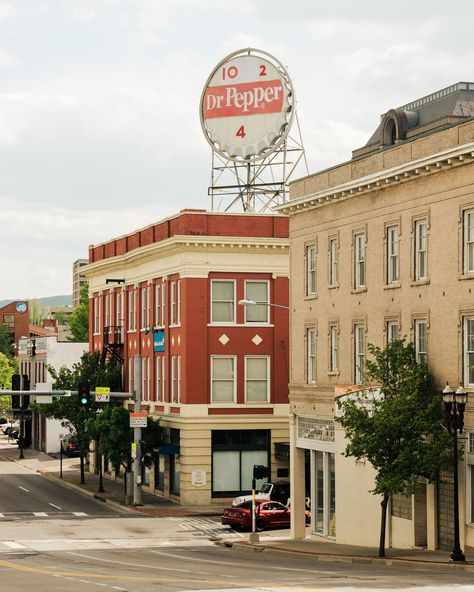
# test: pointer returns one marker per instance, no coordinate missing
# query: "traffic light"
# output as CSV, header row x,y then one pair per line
x,y
20,401
84,395
260,472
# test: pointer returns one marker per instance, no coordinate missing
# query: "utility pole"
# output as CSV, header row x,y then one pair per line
x,y
137,434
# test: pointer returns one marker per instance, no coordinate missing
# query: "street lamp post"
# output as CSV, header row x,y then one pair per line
x,y
454,405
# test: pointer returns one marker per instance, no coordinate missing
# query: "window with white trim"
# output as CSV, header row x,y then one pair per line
x,y
96,315
175,379
333,261
222,301
359,260
359,353
421,341
468,348
222,379
310,265
178,302
119,309
392,331
468,240
421,249
333,348
311,355
257,379
108,310
257,291
132,310
173,303
163,378
392,263
145,316
130,375
145,379
158,387
158,307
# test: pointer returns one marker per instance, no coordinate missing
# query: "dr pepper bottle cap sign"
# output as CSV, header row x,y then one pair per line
x,y
247,105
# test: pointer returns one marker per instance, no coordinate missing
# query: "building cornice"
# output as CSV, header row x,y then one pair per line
x,y
179,244
425,166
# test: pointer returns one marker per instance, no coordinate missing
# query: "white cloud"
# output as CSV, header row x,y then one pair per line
x,y
7,10
7,60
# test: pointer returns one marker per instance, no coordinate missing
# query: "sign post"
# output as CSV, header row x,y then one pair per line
x,y
137,432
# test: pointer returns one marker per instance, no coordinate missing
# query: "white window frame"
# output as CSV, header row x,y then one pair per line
x,y
253,306
310,270
311,342
421,334
393,258
333,263
143,295
163,378
246,380
421,249
229,281
468,241
174,378
178,361
132,310
234,379
131,369
467,320
178,302
359,353
393,331
158,387
158,311
359,261
173,303
333,349
96,315
163,304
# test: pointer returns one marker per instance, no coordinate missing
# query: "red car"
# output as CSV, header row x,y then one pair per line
x,y
268,514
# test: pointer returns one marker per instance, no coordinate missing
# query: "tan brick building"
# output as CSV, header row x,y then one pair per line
x,y
383,246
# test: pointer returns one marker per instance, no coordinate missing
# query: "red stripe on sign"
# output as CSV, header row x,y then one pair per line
x,y
249,98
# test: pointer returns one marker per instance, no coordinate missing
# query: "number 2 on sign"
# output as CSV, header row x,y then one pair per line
x,y
241,132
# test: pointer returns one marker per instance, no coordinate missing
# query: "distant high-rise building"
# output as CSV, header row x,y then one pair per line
x,y
78,280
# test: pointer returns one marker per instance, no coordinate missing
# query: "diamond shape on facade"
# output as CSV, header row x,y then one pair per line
x,y
257,339
224,339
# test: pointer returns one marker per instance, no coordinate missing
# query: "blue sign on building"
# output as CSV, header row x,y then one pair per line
x,y
159,341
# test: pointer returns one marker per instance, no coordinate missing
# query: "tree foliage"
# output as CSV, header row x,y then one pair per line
x,y
8,367
401,433
5,341
68,409
79,319
37,312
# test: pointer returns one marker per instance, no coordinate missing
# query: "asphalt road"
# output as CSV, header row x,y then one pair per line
x,y
24,493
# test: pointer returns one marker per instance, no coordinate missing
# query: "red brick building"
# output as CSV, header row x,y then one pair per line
x,y
216,372
16,317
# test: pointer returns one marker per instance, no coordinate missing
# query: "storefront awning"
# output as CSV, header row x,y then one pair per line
x,y
167,449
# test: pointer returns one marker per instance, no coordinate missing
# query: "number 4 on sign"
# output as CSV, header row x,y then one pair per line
x,y
241,132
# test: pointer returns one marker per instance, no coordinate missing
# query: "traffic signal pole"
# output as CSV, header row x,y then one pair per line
x,y
137,434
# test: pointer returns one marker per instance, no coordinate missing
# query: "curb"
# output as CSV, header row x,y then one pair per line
x,y
355,559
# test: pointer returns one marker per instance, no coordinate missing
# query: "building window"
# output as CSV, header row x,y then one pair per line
x,y
468,335
421,250
310,263
359,260
333,261
420,341
223,301
257,383
333,349
311,355
173,303
222,379
392,331
158,308
174,379
158,387
163,304
234,454
163,378
132,310
119,309
178,302
256,291
359,354
130,375
96,316
392,255
108,311
468,234
145,317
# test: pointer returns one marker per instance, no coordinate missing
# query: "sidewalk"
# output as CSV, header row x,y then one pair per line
x,y
153,505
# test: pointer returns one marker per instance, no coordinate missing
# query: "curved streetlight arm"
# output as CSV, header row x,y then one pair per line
x,y
253,302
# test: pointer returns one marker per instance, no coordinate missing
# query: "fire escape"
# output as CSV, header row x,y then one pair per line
x,y
113,344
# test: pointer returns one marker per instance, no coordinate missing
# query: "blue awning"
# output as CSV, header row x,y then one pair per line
x,y
167,449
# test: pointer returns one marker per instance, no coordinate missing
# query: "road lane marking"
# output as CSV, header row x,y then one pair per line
x,y
132,564
55,506
79,514
2,515
40,514
14,545
24,489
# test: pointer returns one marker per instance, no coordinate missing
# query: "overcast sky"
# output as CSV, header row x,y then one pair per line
x,y
99,124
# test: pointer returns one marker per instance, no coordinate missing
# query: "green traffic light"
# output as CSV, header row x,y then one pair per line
x,y
84,400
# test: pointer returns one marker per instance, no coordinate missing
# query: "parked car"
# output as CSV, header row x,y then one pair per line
x,y
9,426
70,445
269,514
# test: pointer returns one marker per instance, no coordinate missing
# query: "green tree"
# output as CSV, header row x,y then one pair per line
x,y
111,429
37,312
68,409
5,341
8,367
401,432
79,319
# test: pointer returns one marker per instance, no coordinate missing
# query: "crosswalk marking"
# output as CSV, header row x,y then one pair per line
x,y
62,513
39,514
14,545
79,514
